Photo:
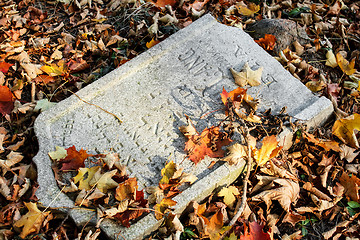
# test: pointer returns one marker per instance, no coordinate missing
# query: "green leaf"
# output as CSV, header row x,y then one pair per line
x,y
353,204
304,231
43,105
351,211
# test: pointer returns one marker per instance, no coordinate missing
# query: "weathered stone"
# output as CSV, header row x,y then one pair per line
x,y
151,94
286,32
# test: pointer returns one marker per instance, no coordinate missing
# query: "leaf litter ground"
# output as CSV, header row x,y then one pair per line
x,y
309,189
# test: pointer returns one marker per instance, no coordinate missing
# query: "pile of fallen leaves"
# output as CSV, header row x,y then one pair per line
x,y
308,188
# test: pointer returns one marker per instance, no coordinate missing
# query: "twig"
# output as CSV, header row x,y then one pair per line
x,y
96,106
245,182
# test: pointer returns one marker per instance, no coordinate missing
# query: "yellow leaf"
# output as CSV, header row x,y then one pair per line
x,y
346,67
249,10
268,150
315,86
229,194
126,190
59,153
330,59
344,129
237,152
163,207
152,43
167,172
104,181
32,220
247,76
85,182
55,69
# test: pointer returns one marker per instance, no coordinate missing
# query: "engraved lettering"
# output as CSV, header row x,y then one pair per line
x,y
186,55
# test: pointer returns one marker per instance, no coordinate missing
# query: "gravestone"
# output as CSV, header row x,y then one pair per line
x,y
151,94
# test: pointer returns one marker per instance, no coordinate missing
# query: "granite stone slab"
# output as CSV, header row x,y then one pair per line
x,y
184,74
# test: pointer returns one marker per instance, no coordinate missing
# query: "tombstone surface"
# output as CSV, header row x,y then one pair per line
x,y
184,74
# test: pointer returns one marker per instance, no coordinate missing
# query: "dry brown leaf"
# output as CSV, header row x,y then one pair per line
x,y
351,185
4,188
348,153
126,190
32,220
247,76
12,159
31,69
326,144
286,194
110,159
237,152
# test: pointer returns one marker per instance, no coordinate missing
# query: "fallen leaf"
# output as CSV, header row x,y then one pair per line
x,y
315,85
77,65
208,143
248,10
104,182
167,172
6,100
163,3
12,159
351,186
32,220
268,150
268,42
163,207
229,194
286,194
247,76
4,67
84,177
44,79
55,69
74,159
152,43
335,9
348,153
31,69
346,67
126,190
344,129
326,144
254,232
59,153
237,152
43,105
236,95
331,59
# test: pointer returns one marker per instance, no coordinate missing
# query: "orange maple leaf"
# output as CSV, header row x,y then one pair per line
x,y
4,67
235,95
268,42
74,159
208,143
6,100
268,150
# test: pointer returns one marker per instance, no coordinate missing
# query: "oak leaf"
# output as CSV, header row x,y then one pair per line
x,y
346,67
267,42
32,220
74,159
247,76
268,150
344,129
6,100
229,194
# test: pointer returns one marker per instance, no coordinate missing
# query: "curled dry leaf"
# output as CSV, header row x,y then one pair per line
x,y
331,59
12,159
247,76
31,221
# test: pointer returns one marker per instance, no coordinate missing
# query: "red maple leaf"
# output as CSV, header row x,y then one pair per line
x,y
208,143
74,159
6,100
256,232
4,66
